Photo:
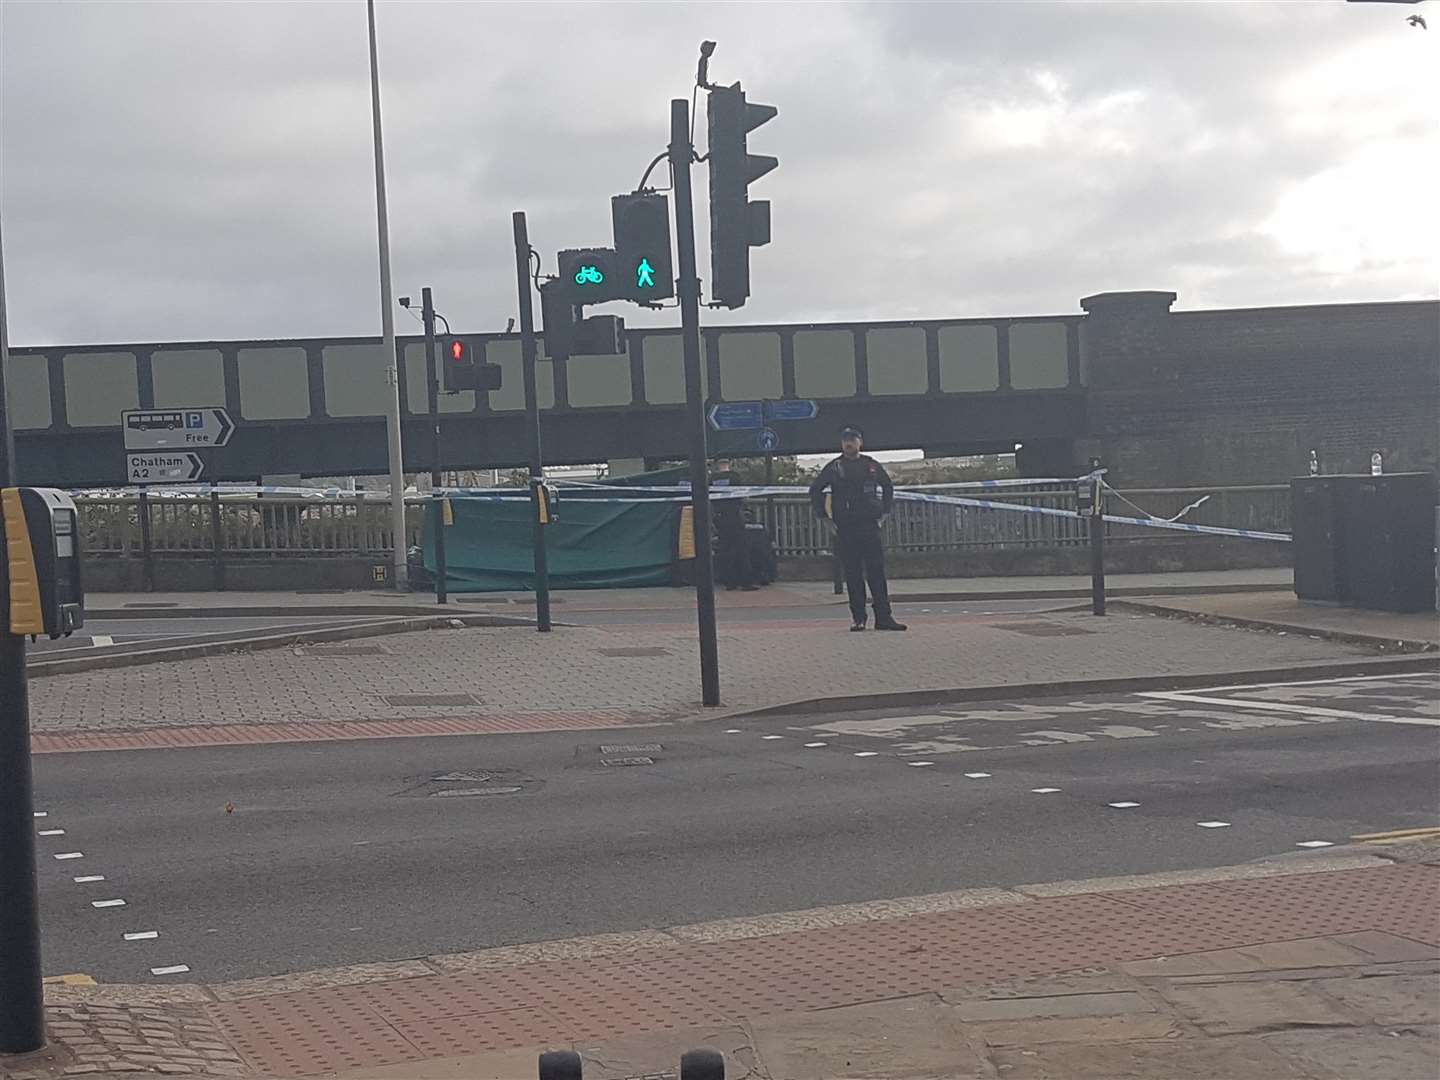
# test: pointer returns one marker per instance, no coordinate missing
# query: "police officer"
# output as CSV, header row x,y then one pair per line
x,y
860,495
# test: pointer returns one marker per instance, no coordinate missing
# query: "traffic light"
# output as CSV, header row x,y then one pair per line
x,y
736,223
590,275
463,373
642,246
557,319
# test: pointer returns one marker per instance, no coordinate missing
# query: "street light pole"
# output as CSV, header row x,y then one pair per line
x,y
387,330
432,390
22,1001
528,357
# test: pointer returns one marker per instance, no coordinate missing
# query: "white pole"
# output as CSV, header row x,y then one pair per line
x,y
387,330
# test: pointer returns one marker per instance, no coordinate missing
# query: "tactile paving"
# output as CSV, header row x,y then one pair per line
x,y
689,985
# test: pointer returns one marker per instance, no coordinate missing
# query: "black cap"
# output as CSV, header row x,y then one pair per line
x,y
851,429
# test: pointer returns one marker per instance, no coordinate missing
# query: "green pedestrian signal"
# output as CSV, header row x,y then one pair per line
x,y
644,272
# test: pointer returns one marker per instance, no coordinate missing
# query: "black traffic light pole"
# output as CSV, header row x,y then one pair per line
x,y
532,416
681,156
22,999
432,384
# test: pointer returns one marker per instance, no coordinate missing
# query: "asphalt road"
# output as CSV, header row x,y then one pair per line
x,y
160,632
345,852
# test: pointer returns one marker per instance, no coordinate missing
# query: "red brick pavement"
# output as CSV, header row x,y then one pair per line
x,y
320,731
654,990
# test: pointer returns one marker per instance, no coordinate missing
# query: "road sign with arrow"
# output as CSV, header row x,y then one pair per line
x,y
161,468
171,429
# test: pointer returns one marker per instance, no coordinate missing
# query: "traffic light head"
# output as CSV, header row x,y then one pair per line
x,y
463,373
642,246
589,275
736,223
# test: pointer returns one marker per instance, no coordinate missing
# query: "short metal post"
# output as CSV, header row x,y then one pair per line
x,y
147,567
217,541
1097,543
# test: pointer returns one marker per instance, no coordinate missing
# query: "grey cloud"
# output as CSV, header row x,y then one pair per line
x,y
203,170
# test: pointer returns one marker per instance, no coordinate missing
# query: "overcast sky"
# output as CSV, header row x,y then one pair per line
x,y
202,170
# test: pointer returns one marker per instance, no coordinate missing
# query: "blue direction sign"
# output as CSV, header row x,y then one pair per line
x,y
767,439
737,416
791,409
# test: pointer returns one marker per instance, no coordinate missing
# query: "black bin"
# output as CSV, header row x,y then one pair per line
x,y
1366,541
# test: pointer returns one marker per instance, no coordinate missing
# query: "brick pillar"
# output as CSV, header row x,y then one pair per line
x,y
1130,373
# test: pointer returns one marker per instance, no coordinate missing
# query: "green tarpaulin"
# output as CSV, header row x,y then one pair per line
x,y
594,544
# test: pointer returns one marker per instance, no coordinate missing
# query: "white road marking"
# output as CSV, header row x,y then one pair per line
x,y
101,641
107,903
41,813
732,731
176,969
769,737
1285,707
143,935
51,832
978,775
813,745
70,855
1123,805
867,753
86,879
1315,843
1305,682
1044,790
919,764
1213,824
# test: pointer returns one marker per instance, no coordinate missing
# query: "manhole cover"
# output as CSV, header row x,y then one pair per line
x,y
331,651
632,748
403,701
1043,629
653,650
615,761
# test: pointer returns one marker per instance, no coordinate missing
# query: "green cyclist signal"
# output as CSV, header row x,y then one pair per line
x,y
644,275
589,275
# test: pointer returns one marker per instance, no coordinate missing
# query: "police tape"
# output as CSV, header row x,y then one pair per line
x,y
1051,511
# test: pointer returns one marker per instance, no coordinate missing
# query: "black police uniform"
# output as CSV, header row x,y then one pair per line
x,y
860,494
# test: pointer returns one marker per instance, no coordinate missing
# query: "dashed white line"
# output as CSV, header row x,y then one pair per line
x,y
142,935
732,731
1044,790
1123,805
767,738
867,753
1315,843
814,745
41,813
919,764
174,969
101,641
107,903
1213,824
62,856
86,879
978,775
51,832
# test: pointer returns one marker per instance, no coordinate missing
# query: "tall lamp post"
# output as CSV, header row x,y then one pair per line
x,y
387,330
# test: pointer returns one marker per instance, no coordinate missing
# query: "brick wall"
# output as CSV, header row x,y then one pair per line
x,y
1242,396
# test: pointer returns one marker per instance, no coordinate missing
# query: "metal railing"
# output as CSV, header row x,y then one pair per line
x,y
216,525
239,525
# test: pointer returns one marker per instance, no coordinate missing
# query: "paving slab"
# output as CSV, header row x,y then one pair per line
x,y
1236,1008
1172,1059
1350,1055
915,1038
